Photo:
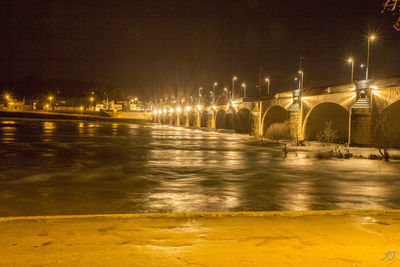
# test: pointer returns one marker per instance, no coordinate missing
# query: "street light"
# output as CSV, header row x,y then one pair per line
x,y
244,90
226,94
214,85
50,99
267,81
212,96
351,61
92,99
362,66
199,99
371,38
302,79
234,78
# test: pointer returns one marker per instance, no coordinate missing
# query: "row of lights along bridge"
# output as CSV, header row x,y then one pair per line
x,y
228,96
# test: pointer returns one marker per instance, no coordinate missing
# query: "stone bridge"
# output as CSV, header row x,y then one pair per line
x,y
362,113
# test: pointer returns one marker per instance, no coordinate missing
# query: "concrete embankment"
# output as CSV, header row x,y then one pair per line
x,y
310,238
63,116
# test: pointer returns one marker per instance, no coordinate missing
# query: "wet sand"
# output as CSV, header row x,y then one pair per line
x,y
315,238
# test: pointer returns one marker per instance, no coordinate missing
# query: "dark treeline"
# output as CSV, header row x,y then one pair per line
x,y
32,88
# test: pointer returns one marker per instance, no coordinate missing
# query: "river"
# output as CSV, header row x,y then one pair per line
x,y
72,167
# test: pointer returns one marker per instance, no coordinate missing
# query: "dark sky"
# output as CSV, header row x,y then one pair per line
x,y
156,46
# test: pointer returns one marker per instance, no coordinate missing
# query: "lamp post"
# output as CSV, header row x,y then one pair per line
x,y
50,99
91,101
362,66
371,38
234,78
200,89
214,85
351,61
244,90
267,81
226,94
302,79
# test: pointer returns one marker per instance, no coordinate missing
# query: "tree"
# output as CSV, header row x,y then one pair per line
x,y
382,134
328,135
393,6
279,131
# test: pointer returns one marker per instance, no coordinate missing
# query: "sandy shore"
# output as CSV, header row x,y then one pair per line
x,y
316,238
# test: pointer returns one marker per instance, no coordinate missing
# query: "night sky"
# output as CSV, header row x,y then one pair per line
x,y
159,46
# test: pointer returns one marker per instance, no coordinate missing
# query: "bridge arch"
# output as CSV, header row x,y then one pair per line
x,y
169,118
274,114
182,118
220,119
229,116
242,121
175,117
203,119
192,118
322,113
390,119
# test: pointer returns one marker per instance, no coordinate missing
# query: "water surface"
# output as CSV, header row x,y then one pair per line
x,y
70,167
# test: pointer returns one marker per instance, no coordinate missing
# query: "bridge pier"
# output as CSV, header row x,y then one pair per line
x,y
170,119
211,120
178,119
186,119
296,125
197,120
255,120
360,127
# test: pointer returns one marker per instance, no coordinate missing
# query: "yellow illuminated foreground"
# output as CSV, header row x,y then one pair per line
x,y
309,238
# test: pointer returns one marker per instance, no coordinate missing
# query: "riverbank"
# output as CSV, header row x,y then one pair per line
x,y
340,151
66,116
305,238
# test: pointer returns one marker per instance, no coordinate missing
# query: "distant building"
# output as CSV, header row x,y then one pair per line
x,y
118,107
99,107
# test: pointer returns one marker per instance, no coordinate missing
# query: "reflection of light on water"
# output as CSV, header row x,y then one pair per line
x,y
8,122
8,135
81,127
362,195
115,128
48,131
233,158
190,200
297,196
90,129
48,136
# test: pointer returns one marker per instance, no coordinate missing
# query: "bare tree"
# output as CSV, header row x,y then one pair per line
x,y
393,6
328,135
279,131
382,134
